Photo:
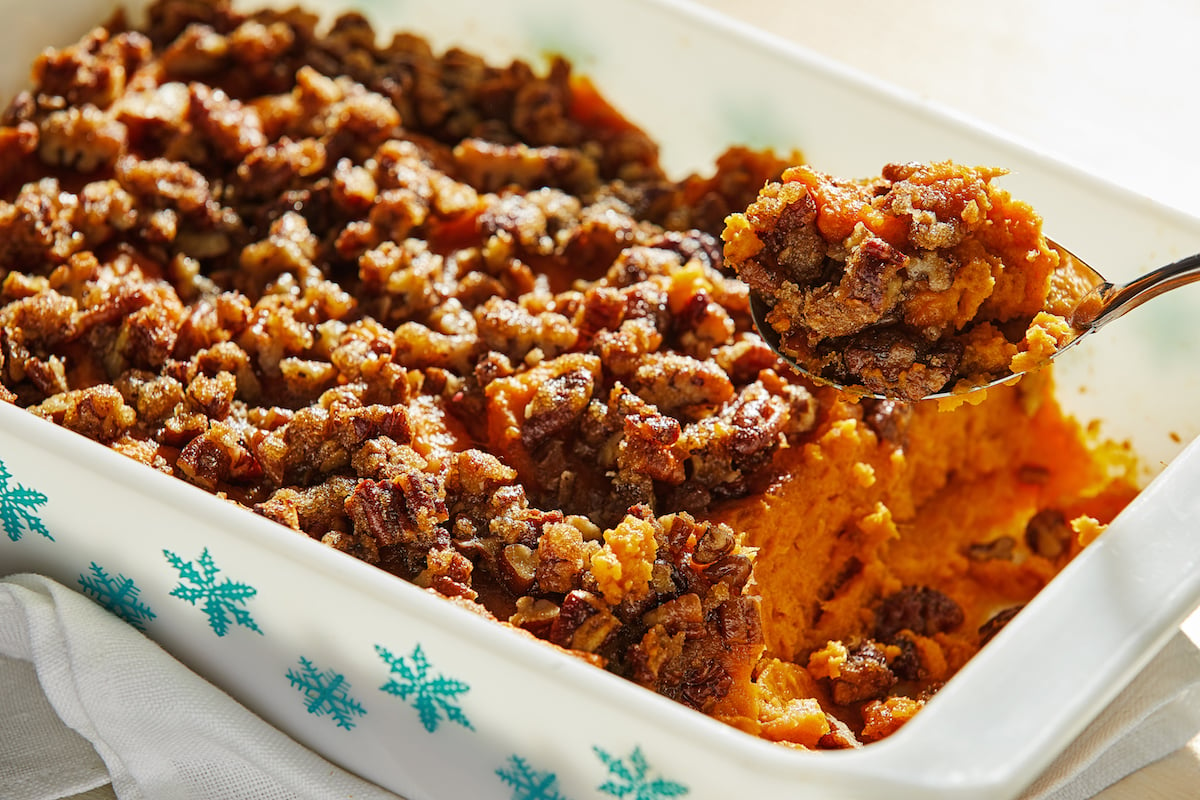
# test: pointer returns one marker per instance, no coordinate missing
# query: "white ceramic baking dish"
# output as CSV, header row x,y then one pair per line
x,y
431,701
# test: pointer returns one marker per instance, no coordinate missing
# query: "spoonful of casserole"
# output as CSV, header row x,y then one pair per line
x,y
928,281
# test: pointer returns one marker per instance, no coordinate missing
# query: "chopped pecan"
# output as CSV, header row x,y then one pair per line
x,y
864,675
583,622
918,609
1048,534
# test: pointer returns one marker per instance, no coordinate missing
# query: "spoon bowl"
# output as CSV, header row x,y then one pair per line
x,y
1097,306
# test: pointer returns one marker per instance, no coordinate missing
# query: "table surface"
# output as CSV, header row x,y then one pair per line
x,y
1105,86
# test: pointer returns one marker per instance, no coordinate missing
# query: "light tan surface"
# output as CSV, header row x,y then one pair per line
x,y
1106,86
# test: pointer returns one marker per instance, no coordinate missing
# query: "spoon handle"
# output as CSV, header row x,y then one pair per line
x,y
1118,300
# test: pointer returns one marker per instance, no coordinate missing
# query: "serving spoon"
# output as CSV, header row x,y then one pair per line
x,y
1101,305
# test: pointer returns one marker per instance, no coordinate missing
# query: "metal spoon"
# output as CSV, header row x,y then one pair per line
x,y
1103,304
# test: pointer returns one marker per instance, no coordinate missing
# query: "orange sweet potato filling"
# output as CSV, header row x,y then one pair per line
x,y
852,518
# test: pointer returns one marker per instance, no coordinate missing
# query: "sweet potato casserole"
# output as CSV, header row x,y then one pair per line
x,y
927,279
454,319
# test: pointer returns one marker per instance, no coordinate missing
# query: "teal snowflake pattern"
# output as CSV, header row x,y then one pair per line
x,y
633,780
17,504
528,783
116,594
326,692
222,602
432,696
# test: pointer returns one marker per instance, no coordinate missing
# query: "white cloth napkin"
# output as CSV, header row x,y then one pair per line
x,y
1158,713
86,700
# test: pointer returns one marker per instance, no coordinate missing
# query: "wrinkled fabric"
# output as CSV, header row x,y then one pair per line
x,y
86,700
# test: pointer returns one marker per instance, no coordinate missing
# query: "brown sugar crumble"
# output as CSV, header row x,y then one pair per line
x,y
924,280
453,319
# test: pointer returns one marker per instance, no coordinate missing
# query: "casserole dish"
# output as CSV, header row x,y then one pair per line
x,y
419,696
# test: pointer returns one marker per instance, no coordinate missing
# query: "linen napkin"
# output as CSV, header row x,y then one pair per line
x,y
66,726
86,700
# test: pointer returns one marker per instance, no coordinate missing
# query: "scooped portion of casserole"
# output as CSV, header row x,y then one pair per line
x,y
927,279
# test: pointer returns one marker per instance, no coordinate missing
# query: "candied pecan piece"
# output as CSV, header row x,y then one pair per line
x,y
882,718
517,567
162,183
508,328
704,682
715,542
745,358
40,320
888,418
868,290
703,325
658,648
907,663
211,396
840,736
37,227
562,557
890,361
583,622
603,308
1048,534
475,476
650,448
275,166
98,412
534,615
448,573
864,675
556,405
996,623
95,70
783,243
197,51
622,349
315,510
1000,548
683,614
405,509
225,124
153,115
491,167
919,609
733,570
152,396
218,455
677,383
406,275
81,137
739,621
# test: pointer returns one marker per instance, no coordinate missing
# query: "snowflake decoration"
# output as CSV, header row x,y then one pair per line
x,y
222,602
118,595
327,692
432,696
17,504
632,780
527,782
